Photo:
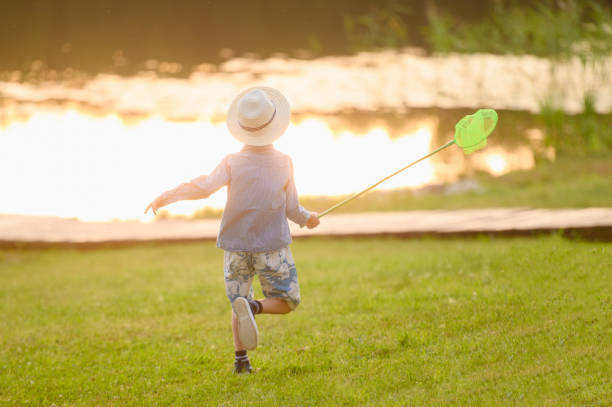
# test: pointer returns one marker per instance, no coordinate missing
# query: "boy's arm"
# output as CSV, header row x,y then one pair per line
x,y
295,211
198,188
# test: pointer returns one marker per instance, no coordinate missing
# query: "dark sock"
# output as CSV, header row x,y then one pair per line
x,y
256,307
241,355
242,363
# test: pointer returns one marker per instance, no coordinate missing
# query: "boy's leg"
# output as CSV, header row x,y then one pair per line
x,y
269,306
241,361
238,275
274,306
279,282
237,345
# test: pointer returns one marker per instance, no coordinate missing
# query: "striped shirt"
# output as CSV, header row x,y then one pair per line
x,y
261,195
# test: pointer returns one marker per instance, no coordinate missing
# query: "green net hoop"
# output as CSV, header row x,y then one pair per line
x,y
471,131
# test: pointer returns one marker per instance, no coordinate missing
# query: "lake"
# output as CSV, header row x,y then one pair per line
x,y
101,147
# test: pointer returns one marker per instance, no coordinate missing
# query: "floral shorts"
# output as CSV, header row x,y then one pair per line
x,y
275,269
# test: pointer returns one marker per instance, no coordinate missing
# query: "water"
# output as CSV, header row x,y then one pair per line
x,y
384,81
71,164
101,148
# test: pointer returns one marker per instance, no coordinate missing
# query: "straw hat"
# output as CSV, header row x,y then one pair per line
x,y
258,116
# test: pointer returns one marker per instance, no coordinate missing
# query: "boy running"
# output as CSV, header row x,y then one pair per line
x,y
254,233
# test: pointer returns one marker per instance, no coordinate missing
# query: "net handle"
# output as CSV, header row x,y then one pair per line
x,y
358,194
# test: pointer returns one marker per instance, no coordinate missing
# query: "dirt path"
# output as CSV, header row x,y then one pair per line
x,y
590,223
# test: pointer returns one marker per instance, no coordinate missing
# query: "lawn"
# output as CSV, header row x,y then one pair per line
x,y
383,322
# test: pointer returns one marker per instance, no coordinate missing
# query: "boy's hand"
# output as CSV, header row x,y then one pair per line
x,y
313,221
155,205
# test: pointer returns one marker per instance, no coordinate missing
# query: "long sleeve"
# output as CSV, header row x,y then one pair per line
x,y
200,187
295,211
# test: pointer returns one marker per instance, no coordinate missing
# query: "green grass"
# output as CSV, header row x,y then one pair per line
x,y
383,322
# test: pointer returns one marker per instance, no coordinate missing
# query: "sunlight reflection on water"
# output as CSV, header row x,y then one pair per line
x,y
71,164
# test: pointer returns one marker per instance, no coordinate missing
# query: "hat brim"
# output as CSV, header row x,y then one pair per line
x,y
272,131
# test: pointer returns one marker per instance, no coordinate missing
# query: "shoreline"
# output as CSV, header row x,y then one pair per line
x,y
587,223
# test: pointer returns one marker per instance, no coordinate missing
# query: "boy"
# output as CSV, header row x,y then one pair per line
x,y
254,233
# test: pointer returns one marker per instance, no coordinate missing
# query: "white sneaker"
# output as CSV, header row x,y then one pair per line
x,y
247,328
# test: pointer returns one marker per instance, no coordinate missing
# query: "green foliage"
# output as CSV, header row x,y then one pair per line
x,y
553,120
597,135
383,322
383,27
547,29
585,133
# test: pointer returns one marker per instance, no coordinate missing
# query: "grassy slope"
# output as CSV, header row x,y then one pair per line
x,y
383,322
